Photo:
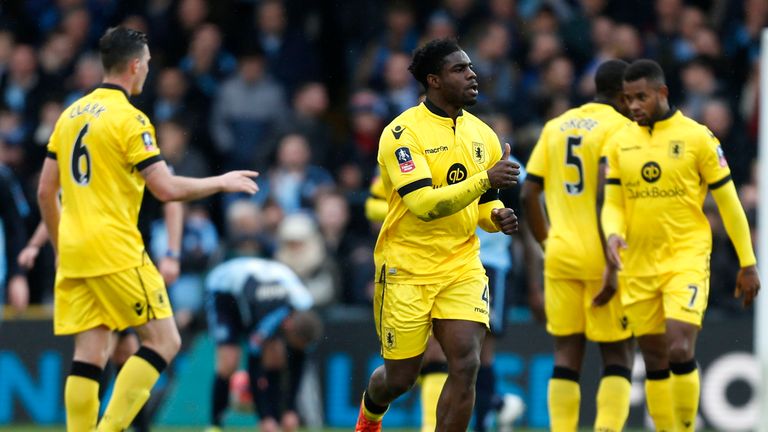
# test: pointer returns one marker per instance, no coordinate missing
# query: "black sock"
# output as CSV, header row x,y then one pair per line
x,y
296,360
372,406
484,391
274,392
220,398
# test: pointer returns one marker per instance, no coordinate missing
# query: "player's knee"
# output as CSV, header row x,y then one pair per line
x,y
465,367
680,350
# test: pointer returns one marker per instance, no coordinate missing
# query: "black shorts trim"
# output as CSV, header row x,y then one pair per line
x,y
416,185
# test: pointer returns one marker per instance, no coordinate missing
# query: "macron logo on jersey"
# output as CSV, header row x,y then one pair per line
x,y
403,155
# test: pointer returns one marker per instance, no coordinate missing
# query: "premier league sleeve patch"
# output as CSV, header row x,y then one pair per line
x,y
403,155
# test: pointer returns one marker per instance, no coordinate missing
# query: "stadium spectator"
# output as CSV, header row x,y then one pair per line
x,y
309,117
207,63
293,182
739,151
237,124
284,44
300,246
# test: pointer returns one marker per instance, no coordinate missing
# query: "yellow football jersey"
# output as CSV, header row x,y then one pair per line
x,y
565,161
664,172
423,147
100,143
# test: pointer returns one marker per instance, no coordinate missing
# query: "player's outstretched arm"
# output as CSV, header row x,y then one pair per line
x,y
168,187
737,227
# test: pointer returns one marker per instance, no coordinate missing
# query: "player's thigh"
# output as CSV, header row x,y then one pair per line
x,y
606,323
225,324
563,305
466,299
686,294
132,297
497,287
76,307
227,359
643,304
402,313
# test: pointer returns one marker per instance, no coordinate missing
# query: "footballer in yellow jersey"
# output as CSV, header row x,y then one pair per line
x,y
579,291
440,166
101,153
101,143
660,170
424,148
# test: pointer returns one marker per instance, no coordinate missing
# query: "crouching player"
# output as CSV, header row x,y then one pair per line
x,y
263,305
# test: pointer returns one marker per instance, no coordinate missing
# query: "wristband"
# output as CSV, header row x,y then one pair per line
x,y
172,254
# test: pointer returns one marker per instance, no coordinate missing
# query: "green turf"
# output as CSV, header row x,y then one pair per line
x,y
233,429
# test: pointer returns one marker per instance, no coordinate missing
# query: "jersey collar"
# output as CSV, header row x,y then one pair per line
x,y
665,120
436,110
113,87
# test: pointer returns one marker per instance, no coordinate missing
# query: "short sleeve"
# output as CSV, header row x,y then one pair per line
x,y
403,158
537,163
141,145
713,166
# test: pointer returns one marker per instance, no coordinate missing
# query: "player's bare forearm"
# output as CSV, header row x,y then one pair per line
x,y
48,201
168,187
534,212
173,213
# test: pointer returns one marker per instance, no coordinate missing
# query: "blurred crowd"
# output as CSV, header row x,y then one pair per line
x,y
300,91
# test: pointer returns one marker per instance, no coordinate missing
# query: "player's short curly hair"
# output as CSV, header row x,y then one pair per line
x,y
430,58
645,68
608,77
118,45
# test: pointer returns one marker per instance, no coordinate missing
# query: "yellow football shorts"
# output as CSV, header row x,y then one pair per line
x,y
651,300
128,298
404,312
569,310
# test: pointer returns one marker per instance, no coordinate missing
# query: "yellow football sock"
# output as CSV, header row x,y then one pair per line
x,y
431,387
658,397
81,396
563,399
132,387
685,393
613,400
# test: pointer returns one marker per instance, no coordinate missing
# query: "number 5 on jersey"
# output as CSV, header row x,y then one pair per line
x,y
572,159
81,159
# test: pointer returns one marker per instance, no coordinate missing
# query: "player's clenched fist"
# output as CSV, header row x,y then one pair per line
x,y
505,220
504,174
240,181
